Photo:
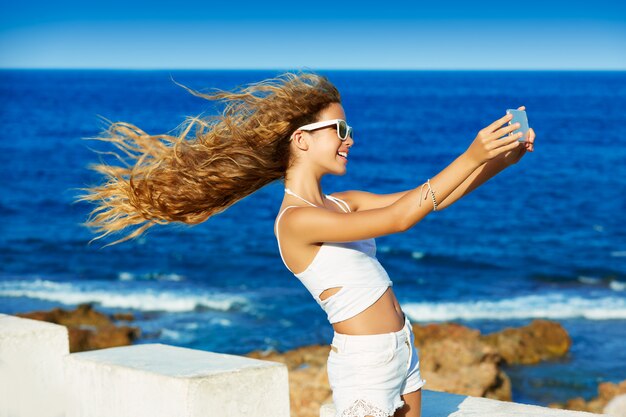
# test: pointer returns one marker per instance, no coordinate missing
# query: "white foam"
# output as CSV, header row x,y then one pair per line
x,y
125,276
617,285
171,334
129,276
588,280
142,297
221,321
552,306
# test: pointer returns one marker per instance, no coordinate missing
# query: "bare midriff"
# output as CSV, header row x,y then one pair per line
x,y
384,316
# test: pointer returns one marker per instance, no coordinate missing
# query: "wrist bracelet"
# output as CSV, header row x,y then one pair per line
x,y
432,194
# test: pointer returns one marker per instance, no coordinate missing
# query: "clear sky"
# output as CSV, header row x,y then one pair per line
x,y
321,34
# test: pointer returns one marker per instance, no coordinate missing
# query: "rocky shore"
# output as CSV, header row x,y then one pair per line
x,y
89,329
453,358
607,391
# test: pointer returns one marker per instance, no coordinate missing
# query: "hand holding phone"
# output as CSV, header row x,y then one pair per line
x,y
519,116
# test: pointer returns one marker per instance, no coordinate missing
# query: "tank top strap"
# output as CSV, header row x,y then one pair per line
x,y
288,191
279,216
277,238
336,200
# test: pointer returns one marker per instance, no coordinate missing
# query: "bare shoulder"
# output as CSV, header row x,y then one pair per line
x,y
283,216
287,223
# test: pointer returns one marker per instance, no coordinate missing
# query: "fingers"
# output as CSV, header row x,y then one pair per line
x,y
505,141
498,123
512,145
531,139
506,147
507,129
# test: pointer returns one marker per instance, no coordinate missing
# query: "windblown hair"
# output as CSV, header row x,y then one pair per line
x,y
174,179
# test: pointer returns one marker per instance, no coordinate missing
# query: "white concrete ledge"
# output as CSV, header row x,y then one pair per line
x,y
31,367
443,404
156,380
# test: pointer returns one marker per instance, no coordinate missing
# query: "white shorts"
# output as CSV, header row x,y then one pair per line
x,y
368,373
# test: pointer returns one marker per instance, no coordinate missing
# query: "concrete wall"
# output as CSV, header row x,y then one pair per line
x,y
31,368
39,377
156,380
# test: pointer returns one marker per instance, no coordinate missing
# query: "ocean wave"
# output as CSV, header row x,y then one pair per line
x,y
550,306
589,280
129,276
171,335
611,283
221,321
141,298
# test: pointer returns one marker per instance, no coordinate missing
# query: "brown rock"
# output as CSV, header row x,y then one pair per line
x,y
123,316
577,404
606,392
434,331
540,340
87,328
83,315
454,359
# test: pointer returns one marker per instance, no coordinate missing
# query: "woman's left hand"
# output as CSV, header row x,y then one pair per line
x,y
513,156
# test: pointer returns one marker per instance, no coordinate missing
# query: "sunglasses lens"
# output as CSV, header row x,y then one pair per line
x,y
342,129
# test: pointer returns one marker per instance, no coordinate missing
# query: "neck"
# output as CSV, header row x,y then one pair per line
x,y
309,191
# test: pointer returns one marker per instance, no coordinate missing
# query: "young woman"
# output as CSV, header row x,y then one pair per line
x,y
294,128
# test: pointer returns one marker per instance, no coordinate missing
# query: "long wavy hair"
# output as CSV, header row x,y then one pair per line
x,y
164,178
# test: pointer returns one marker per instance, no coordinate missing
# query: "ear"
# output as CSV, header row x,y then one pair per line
x,y
299,138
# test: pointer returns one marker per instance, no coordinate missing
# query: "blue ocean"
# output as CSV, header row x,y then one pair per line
x,y
545,238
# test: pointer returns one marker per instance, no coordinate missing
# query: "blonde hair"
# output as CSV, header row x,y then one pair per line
x,y
168,178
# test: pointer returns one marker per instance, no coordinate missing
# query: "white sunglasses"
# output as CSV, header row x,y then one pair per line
x,y
343,130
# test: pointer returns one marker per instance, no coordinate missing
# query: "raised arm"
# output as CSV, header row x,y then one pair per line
x,y
364,200
481,175
314,225
359,200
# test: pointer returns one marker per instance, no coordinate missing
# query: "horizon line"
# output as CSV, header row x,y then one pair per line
x,y
316,69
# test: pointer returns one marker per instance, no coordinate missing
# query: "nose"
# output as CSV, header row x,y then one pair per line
x,y
349,141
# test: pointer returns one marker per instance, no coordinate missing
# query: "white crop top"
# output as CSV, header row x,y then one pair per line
x,y
351,265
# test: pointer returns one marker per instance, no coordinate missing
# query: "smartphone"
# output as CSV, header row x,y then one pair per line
x,y
519,116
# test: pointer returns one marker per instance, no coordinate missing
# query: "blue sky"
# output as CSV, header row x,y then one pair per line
x,y
317,35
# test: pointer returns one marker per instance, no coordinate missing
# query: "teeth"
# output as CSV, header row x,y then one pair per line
x,y
344,154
